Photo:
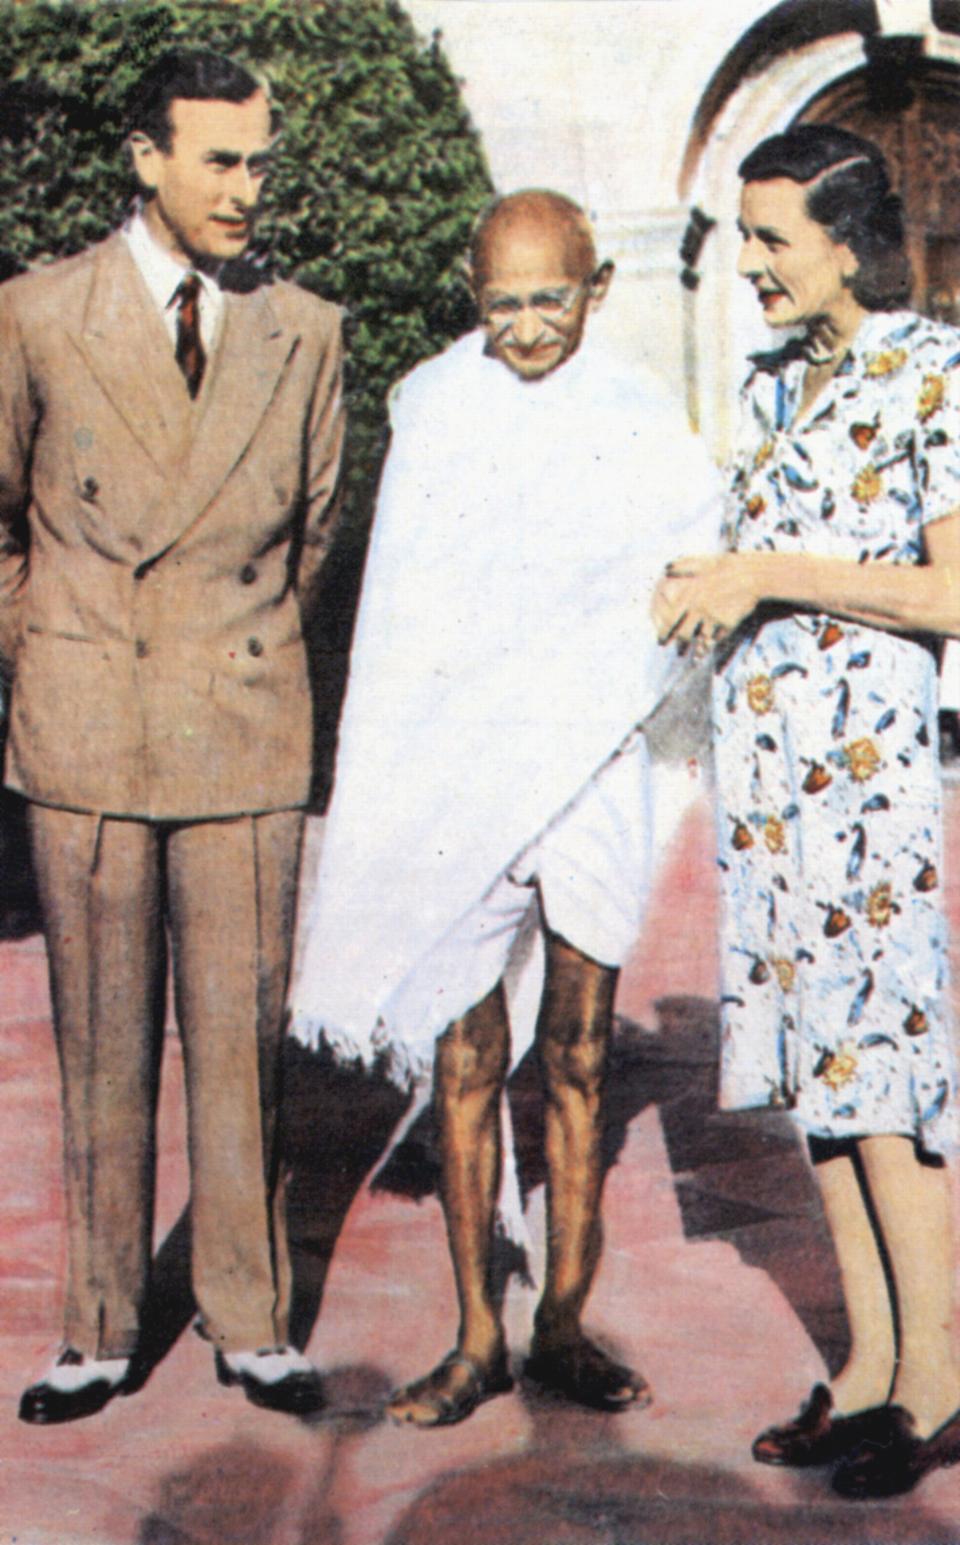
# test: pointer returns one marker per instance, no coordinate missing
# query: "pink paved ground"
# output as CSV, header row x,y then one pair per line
x,y
726,1344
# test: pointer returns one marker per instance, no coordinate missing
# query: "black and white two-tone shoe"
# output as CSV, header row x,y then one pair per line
x,y
73,1386
277,1378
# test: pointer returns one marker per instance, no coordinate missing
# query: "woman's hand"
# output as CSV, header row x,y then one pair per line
x,y
701,600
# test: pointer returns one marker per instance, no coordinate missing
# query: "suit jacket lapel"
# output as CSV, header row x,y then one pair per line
x,y
126,346
242,377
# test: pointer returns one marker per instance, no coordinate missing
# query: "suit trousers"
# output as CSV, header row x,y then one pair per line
x,y
113,890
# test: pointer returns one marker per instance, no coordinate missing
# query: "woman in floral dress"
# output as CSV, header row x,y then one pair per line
x,y
843,572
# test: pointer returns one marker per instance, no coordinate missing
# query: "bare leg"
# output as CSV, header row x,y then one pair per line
x,y
867,1376
913,1206
573,1035
470,1069
891,1220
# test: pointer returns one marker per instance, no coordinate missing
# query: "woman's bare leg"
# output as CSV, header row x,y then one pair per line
x,y
867,1376
912,1202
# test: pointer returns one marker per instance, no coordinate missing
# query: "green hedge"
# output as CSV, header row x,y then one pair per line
x,y
377,181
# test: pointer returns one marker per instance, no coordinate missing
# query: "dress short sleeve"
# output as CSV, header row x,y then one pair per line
x,y
935,413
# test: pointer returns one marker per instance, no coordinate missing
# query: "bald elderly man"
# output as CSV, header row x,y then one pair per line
x,y
491,811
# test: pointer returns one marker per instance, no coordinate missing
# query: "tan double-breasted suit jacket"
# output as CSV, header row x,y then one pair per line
x,y
154,625
156,559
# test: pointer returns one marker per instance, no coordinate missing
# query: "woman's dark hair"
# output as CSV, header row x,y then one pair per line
x,y
849,193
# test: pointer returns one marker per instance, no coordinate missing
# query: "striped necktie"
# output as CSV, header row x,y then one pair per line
x,y
189,353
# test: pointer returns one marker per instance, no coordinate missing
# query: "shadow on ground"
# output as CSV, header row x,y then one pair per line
x,y
739,1177
571,1486
245,1491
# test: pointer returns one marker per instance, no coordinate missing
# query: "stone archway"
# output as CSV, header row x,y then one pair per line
x,y
857,63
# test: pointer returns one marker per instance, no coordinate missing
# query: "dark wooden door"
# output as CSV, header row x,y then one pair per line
x,y
917,125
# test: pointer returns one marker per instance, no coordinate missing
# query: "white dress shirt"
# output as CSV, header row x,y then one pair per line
x,y
163,275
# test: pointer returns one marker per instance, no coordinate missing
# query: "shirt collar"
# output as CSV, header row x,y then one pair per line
x,y
161,272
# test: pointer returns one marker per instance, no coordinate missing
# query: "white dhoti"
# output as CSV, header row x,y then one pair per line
x,y
585,879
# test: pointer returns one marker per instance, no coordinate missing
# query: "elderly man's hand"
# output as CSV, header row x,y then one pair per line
x,y
700,600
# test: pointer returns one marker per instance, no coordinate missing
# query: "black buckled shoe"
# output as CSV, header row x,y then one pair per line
x,y
815,1436
67,1397
893,1459
277,1380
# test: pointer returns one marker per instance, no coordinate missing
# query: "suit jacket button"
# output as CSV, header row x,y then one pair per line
x,y
142,648
248,574
254,647
89,488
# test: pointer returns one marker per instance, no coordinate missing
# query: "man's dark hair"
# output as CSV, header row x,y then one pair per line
x,y
191,74
849,193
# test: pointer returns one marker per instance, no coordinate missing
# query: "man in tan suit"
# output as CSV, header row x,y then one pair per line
x,y
168,458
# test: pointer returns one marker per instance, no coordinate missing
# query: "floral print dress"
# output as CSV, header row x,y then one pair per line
x,y
834,949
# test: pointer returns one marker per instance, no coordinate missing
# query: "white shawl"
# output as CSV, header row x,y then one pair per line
x,y
503,650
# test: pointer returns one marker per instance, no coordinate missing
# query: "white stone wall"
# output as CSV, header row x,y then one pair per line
x,y
593,95
596,98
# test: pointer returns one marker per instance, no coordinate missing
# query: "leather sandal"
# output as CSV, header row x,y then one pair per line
x,y
582,1372
894,1458
447,1405
815,1436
